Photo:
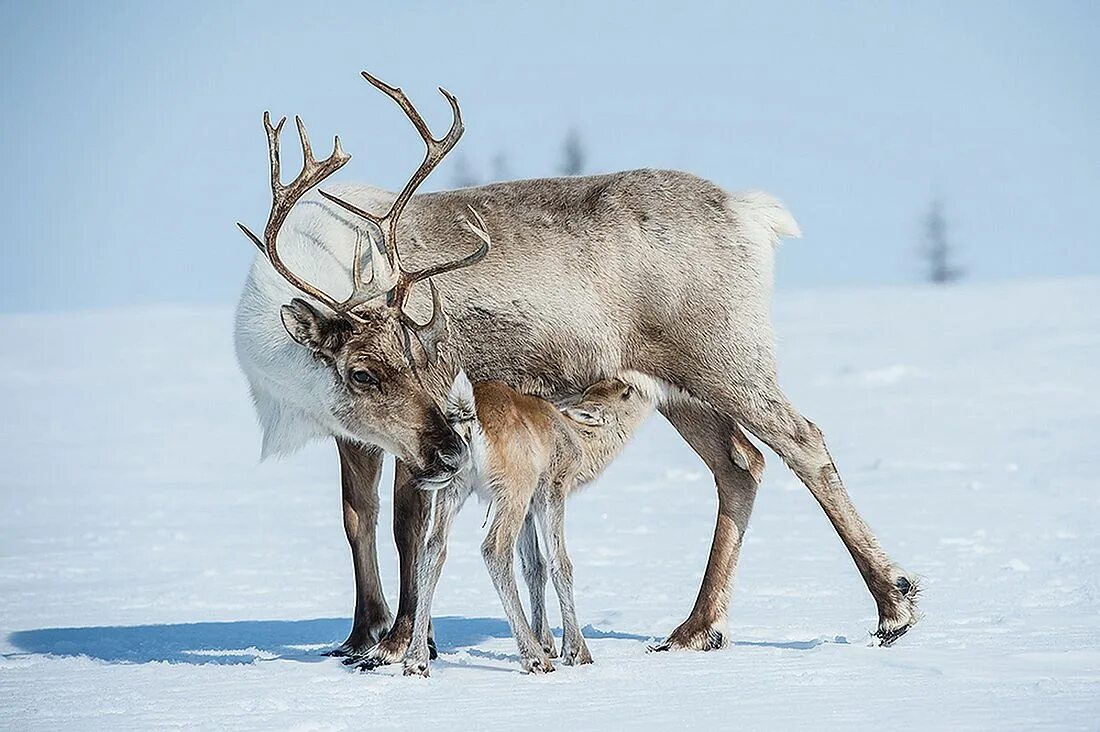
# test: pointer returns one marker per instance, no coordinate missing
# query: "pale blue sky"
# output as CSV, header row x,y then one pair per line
x,y
131,131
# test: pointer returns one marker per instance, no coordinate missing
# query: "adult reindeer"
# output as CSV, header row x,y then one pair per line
x,y
656,272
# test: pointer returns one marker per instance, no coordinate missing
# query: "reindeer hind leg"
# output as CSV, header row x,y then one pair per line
x,y
769,416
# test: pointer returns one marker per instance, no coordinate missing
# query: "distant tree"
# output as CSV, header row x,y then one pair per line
x,y
573,157
500,167
938,253
463,175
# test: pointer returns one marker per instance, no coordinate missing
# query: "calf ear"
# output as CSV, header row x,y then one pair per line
x,y
306,325
592,417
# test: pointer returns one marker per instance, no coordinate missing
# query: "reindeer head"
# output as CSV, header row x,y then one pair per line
x,y
390,372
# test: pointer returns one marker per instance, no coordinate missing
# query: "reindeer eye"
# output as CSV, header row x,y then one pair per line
x,y
362,376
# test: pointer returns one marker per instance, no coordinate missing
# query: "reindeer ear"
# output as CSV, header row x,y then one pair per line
x,y
593,417
306,324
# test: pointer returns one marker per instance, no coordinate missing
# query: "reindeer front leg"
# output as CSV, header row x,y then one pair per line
x,y
410,514
360,470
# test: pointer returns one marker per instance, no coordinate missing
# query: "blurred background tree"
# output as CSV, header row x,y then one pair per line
x,y
500,167
463,175
573,156
938,253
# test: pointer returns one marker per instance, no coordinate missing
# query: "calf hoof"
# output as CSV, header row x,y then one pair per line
x,y
417,668
576,656
538,665
546,639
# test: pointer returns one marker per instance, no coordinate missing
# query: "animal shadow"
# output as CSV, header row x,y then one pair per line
x,y
230,643
249,641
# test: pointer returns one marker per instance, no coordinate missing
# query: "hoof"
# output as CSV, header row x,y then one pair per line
x,y
578,657
899,614
362,639
887,637
389,650
417,669
538,665
546,640
350,649
682,639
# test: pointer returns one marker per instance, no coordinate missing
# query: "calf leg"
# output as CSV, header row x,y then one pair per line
x,y
534,574
360,470
447,501
574,651
737,467
498,549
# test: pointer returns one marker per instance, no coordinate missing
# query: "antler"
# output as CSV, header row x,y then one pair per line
x,y
283,198
434,332
398,281
436,150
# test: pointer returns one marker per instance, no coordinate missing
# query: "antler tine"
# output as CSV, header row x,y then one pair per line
x,y
432,333
479,230
307,150
283,198
435,151
352,208
364,291
273,150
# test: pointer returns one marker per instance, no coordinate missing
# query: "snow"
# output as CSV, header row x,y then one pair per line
x,y
153,574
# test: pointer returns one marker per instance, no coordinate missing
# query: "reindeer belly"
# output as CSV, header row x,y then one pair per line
x,y
546,354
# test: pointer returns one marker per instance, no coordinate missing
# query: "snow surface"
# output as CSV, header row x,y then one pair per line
x,y
153,574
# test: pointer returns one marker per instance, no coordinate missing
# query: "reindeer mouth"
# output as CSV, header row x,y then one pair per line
x,y
448,466
435,481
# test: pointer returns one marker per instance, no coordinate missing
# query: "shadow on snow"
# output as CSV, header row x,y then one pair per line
x,y
238,642
248,641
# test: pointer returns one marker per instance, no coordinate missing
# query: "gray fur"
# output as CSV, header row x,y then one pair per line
x,y
659,273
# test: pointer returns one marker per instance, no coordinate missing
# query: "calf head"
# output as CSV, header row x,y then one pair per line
x,y
612,403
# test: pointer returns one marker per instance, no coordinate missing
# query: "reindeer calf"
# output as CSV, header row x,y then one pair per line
x,y
524,456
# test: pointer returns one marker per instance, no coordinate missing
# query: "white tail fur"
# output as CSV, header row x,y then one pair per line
x,y
761,212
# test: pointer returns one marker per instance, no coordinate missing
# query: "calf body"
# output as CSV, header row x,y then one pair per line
x,y
524,457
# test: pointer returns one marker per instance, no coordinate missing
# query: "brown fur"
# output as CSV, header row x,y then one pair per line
x,y
526,456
